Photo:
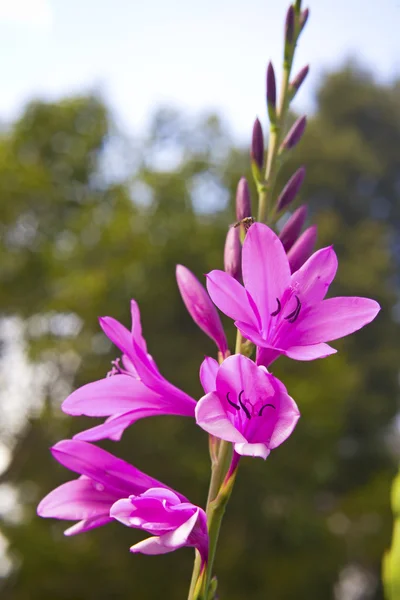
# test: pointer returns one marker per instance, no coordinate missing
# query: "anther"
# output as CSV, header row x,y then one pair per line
x,y
260,412
295,313
278,310
232,403
245,409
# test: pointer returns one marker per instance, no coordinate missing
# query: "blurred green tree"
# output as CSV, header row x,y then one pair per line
x,y
76,244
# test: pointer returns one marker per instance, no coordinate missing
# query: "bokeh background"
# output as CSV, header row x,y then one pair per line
x,y
125,128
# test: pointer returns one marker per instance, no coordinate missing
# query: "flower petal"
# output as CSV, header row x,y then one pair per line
x,y
266,272
211,416
313,279
247,449
332,319
87,524
230,297
287,419
116,394
114,426
208,374
153,545
118,334
114,473
137,326
309,352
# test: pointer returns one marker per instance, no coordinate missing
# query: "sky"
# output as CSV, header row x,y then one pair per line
x,y
208,55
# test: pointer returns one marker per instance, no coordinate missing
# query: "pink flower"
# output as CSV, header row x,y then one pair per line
x,y
135,389
283,313
109,488
162,513
245,405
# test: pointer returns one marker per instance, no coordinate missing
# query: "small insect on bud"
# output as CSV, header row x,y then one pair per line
x,y
289,25
291,189
292,228
200,307
295,134
233,253
243,202
271,93
257,145
302,248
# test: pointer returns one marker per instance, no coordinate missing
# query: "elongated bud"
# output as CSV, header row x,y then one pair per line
x,y
292,228
289,26
200,307
243,203
257,145
271,93
291,189
302,248
295,134
298,80
233,253
304,18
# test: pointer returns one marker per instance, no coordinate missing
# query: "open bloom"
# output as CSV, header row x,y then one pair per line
x,y
162,513
135,388
103,480
283,313
109,488
245,405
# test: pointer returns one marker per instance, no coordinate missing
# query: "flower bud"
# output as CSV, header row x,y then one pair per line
x,y
302,248
200,307
298,80
289,26
257,145
295,134
233,253
292,228
243,203
291,189
271,93
304,18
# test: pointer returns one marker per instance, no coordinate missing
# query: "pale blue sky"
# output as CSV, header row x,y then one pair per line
x,y
197,55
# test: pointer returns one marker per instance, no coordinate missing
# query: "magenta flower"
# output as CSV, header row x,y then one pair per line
x,y
162,513
245,405
283,313
135,389
103,480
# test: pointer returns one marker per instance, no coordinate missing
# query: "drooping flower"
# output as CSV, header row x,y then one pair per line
x,y
283,313
245,405
108,487
135,389
162,513
103,480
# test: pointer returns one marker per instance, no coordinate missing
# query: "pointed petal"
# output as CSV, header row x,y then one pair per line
x,y
266,272
230,297
137,326
87,525
76,500
208,374
309,352
313,279
211,416
247,449
114,426
116,394
266,356
152,546
332,319
180,537
118,334
251,333
114,473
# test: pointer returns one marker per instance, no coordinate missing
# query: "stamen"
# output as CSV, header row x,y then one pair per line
x,y
295,313
260,412
278,310
232,403
245,409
